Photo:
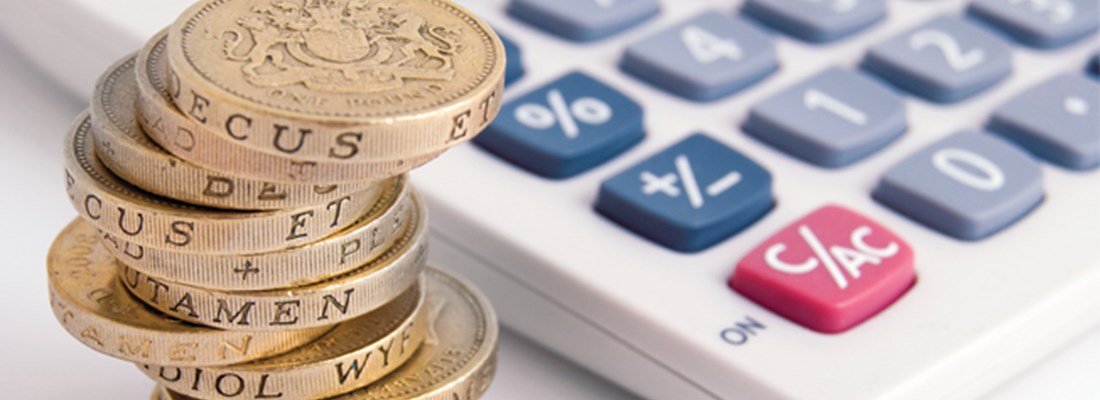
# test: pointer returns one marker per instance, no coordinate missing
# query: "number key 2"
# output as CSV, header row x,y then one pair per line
x,y
945,60
829,271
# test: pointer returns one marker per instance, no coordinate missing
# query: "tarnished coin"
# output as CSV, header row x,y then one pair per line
x,y
324,303
457,359
125,149
337,80
122,210
90,302
349,357
375,233
213,149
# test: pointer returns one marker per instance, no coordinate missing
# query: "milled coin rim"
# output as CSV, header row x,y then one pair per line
x,y
185,23
142,162
373,284
161,119
165,334
478,368
297,266
212,230
307,372
410,132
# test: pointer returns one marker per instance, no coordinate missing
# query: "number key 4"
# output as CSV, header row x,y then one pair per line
x,y
704,58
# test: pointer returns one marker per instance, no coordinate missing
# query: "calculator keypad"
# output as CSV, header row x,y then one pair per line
x,y
707,57
1058,120
565,127
1040,23
945,60
828,271
817,21
689,196
584,20
968,186
832,119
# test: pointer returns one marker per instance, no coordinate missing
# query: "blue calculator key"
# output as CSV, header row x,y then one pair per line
x,y
1094,66
832,119
689,196
945,60
565,128
584,20
704,58
513,69
1040,23
817,21
968,186
1058,120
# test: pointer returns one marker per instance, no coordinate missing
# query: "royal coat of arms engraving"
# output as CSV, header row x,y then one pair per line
x,y
340,46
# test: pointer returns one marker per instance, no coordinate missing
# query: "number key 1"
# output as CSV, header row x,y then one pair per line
x,y
832,119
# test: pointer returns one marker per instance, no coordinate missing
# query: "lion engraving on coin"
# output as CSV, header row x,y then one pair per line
x,y
340,46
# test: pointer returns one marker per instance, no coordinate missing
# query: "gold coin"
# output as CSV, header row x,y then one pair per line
x,y
375,233
457,359
88,299
349,357
209,148
125,149
337,80
122,210
324,303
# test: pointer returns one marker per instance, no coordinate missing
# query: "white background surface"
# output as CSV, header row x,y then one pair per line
x,y
38,360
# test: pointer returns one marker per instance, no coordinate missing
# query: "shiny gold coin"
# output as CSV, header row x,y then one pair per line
x,y
349,357
212,149
122,210
324,303
338,80
375,233
457,359
125,149
90,302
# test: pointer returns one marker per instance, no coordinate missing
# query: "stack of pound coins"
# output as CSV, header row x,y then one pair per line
x,y
247,230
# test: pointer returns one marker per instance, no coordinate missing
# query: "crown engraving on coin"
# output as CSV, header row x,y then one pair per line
x,y
340,46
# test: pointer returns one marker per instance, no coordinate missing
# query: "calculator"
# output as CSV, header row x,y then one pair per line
x,y
787,199
770,199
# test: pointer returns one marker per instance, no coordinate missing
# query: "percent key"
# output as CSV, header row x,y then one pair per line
x,y
565,128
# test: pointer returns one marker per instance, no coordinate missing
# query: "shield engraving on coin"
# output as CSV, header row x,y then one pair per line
x,y
340,46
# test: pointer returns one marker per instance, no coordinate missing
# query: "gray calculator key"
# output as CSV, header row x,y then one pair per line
x,y
832,119
944,60
1040,23
967,186
1058,120
817,21
704,58
584,20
